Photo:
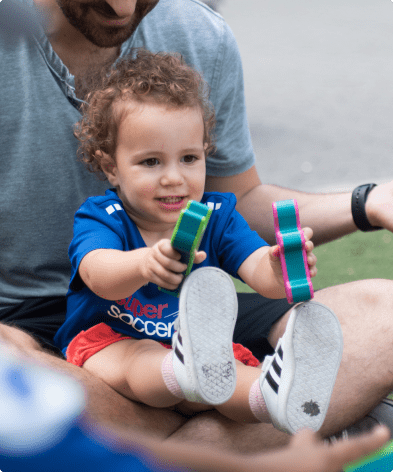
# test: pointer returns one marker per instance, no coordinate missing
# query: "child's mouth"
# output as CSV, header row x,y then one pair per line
x,y
171,200
172,203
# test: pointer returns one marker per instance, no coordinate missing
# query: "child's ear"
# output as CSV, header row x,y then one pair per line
x,y
108,166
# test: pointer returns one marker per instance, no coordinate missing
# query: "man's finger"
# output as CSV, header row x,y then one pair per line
x,y
352,449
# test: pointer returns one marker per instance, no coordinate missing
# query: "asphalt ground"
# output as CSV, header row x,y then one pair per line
x,y
319,89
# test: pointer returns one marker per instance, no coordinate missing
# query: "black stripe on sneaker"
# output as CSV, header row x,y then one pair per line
x,y
280,353
179,338
277,368
272,382
179,355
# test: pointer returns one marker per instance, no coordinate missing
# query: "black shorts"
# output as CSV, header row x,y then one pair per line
x,y
42,317
256,316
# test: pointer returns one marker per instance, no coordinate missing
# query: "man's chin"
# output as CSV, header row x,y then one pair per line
x,y
107,37
100,35
85,21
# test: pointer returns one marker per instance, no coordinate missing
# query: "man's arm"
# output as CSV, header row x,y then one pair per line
x,y
306,452
329,215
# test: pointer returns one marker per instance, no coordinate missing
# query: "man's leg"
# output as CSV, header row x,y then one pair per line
x,y
105,407
211,428
365,377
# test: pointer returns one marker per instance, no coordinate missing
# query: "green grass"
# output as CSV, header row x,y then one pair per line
x,y
381,461
354,257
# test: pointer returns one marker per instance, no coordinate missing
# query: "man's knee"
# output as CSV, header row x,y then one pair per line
x,y
207,427
18,339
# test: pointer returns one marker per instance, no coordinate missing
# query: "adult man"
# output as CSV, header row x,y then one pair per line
x,y
47,69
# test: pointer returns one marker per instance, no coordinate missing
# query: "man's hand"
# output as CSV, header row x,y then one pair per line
x,y
379,206
162,266
308,453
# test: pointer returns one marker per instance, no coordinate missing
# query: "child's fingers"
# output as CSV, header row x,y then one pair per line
x,y
311,259
168,257
165,283
200,256
165,247
308,233
171,265
312,263
166,278
309,246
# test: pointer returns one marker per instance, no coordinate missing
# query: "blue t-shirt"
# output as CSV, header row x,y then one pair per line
x,y
102,223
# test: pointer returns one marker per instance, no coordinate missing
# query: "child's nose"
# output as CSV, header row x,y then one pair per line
x,y
172,176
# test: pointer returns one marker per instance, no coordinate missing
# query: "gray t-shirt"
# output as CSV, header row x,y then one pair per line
x,y
42,183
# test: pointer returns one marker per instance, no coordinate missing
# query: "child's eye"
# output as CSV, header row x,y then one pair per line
x,y
151,162
189,159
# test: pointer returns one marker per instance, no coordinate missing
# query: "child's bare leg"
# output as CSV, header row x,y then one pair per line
x,y
133,367
238,407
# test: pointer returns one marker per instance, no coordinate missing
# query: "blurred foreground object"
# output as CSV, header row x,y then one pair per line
x,y
42,426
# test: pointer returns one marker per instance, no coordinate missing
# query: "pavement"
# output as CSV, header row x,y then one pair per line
x,y
319,89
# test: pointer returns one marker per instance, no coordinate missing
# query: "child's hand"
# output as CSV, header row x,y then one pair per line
x,y
162,265
274,256
311,257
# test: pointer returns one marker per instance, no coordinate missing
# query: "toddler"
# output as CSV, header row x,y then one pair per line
x,y
148,129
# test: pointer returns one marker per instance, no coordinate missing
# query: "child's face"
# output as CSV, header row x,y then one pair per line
x,y
160,162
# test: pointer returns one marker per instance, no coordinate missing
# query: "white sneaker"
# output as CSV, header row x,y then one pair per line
x,y
298,380
203,360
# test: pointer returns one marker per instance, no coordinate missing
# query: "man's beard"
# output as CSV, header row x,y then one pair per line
x,y
102,36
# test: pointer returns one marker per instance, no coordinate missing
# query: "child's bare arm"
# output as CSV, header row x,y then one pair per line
x,y
114,274
262,269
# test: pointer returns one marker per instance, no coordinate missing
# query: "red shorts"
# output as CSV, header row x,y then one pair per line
x,y
87,343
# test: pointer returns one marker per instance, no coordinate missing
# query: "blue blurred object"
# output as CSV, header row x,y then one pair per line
x,y
42,429
76,451
38,406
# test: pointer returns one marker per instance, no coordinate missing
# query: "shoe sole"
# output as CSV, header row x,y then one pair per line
x,y
312,350
207,312
317,348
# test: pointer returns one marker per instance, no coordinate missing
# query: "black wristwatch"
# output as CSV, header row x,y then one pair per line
x,y
359,198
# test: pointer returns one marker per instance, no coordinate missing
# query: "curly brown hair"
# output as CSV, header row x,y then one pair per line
x,y
163,78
